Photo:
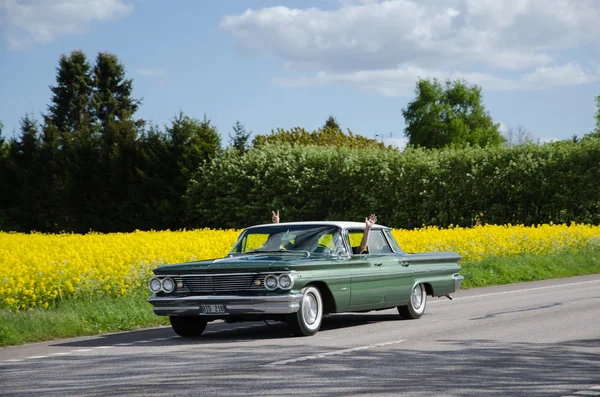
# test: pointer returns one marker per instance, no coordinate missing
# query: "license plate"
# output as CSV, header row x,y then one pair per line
x,y
212,309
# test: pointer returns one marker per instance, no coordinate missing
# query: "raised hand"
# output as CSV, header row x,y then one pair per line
x,y
275,216
370,221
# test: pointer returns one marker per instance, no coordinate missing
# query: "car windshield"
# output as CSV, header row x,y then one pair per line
x,y
282,238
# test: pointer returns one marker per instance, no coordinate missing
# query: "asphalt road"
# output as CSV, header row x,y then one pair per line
x,y
531,339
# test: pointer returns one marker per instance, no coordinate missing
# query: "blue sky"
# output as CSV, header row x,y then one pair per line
x,y
283,64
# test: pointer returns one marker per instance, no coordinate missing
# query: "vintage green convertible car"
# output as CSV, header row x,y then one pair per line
x,y
297,272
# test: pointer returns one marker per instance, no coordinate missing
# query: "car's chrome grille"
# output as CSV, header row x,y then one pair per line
x,y
220,284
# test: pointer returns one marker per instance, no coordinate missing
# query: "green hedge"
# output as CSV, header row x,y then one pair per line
x,y
527,184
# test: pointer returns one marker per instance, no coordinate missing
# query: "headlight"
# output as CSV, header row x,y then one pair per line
x,y
270,282
154,285
285,281
168,285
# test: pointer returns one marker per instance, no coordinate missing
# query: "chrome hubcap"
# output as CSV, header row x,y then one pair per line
x,y
309,308
417,297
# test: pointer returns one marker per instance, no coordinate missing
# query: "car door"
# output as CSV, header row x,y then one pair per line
x,y
398,272
367,287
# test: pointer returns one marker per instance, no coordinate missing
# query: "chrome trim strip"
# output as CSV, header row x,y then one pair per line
x,y
234,304
226,297
224,274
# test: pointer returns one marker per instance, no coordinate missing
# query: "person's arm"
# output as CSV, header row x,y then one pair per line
x,y
369,222
275,216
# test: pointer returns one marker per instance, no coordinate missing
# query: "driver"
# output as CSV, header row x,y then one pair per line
x,y
369,222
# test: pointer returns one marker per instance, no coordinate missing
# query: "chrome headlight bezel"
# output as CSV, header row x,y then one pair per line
x,y
287,276
168,285
154,281
266,283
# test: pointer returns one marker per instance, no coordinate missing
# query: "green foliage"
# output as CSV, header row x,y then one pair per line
x,y
191,143
22,174
92,166
77,318
71,107
111,95
331,124
240,138
453,115
527,184
597,116
334,137
527,268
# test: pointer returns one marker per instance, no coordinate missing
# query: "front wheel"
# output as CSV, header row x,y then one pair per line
x,y
307,320
188,326
416,304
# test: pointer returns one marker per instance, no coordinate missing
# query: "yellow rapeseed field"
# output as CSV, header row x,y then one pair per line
x,y
37,270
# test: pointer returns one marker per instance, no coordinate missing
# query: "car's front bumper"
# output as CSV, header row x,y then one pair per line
x,y
234,304
458,279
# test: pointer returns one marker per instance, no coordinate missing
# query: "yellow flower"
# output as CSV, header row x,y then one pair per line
x,y
39,269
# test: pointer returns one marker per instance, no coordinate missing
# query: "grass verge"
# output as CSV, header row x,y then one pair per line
x,y
524,268
102,315
73,318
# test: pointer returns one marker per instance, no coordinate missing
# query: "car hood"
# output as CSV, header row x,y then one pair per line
x,y
254,263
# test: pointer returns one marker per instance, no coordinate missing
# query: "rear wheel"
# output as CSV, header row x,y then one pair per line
x,y
416,303
188,326
307,320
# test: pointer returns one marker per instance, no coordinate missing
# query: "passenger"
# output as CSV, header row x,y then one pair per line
x,y
369,222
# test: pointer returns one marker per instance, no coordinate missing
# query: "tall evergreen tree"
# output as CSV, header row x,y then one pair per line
x,y
191,143
70,107
239,139
5,186
112,100
331,123
52,181
23,175
154,189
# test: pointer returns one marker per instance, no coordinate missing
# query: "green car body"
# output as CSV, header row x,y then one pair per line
x,y
297,272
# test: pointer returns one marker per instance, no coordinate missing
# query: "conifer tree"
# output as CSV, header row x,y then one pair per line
x,y
239,139
70,108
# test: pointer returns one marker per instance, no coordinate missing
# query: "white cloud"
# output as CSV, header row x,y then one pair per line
x,y
400,81
27,21
384,46
151,72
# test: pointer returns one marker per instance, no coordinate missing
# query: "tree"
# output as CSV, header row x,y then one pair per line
x,y
155,187
111,97
332,124
70,107
191,143
518,136
114,108
239,139
4,185
453,115
596,132
322,137
23,200
597,115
